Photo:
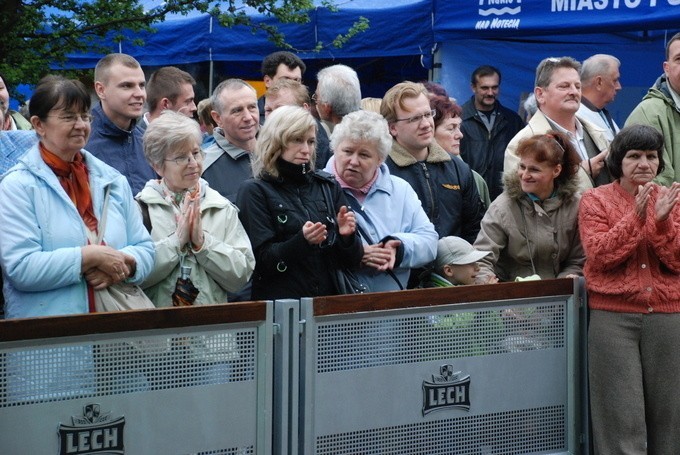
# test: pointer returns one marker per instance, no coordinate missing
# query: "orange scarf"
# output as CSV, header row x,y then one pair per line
x,y
75,180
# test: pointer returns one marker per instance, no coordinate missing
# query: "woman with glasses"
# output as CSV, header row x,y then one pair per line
x,y
300,235
394,228
53,196
191,224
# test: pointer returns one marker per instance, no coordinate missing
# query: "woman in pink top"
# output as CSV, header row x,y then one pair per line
x,y
630,230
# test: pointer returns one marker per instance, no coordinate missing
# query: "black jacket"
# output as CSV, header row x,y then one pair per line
x,y
483,151
273,211
446,188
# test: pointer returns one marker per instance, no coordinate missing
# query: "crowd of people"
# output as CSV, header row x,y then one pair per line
x,y
282,196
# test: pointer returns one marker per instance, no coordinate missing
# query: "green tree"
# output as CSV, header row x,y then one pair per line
x,y
40,33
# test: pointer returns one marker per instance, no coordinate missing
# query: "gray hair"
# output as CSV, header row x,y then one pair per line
x,y
166,133
547,67
229,84
597,65
363,126
283,126
339,86
530,105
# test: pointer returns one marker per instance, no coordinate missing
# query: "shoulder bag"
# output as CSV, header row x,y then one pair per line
x,y
120,296
346,280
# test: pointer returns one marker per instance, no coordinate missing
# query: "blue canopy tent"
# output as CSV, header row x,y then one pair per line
x,y
515,35
199,38
511,34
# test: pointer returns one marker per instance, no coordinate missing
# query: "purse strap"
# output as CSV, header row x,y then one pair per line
x,y
101,226
102,223
362,233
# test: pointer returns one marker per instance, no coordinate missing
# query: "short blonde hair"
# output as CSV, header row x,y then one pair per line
x,y
283,125
395,97
371,104
102,71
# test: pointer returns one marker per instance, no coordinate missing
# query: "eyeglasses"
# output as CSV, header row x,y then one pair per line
x,y
184,160
417,118
73,118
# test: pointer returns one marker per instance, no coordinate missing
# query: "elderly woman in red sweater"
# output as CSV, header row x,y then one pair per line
x,y
630,230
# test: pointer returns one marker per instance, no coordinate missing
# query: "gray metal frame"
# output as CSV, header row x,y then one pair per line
x,y
203,389
368,396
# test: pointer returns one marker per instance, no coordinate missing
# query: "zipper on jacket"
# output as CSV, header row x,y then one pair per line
x,y
428,183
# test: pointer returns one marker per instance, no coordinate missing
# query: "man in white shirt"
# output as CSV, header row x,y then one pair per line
x,y
600,82
558,95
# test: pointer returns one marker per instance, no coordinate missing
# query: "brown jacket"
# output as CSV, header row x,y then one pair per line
x,y
552,242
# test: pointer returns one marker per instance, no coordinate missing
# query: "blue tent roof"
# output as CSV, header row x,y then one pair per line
x,y
397,28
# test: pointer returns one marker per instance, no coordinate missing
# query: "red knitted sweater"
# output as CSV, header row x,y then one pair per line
x,y
632,264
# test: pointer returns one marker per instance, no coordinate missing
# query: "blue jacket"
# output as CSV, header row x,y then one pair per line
x,y
392,209
123,150
41,235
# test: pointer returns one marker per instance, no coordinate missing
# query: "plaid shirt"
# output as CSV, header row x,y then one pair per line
x,y
13,144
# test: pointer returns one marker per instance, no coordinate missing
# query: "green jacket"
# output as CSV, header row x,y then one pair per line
x,y
20,121
658,109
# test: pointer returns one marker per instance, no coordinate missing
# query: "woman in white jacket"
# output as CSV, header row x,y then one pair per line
x,y
191,224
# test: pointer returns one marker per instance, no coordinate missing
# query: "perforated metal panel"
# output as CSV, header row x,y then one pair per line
x,y
514,432
206,390
46,374
237,451
380,381
440,334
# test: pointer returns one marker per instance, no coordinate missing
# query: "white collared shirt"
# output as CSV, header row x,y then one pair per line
x,y
576,140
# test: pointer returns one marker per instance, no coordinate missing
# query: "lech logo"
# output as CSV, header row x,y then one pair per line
x,y
92,433
447,390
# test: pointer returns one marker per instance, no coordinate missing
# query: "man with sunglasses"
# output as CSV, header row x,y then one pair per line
x,y
444,183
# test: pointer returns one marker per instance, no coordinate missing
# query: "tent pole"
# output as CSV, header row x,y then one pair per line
x,y
211,63
210,77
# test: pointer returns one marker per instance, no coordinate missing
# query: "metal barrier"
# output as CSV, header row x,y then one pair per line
x,y
469,370
166,381
478,370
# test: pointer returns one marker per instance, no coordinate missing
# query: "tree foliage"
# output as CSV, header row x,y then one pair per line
x,y
40,33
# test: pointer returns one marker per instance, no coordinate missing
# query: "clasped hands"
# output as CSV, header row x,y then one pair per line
x,y
103,266
189,228
316,233
382,255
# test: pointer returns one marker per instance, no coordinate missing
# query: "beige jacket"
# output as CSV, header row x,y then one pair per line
x,y
225,262
550,235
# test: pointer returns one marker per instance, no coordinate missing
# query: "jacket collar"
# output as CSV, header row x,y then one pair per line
x,y
470,111
106,126
513,188
403,158
151,194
